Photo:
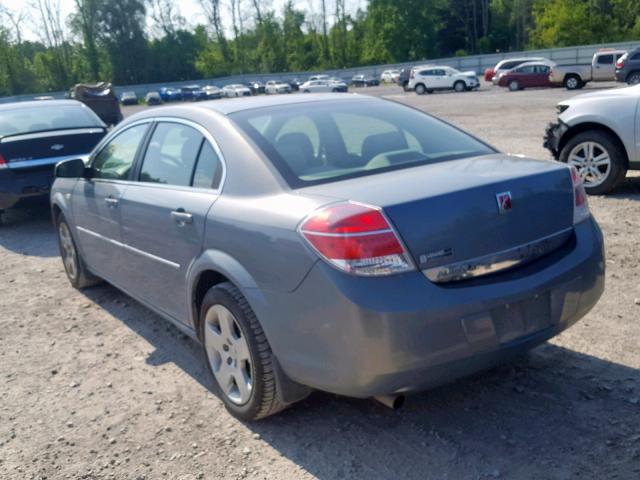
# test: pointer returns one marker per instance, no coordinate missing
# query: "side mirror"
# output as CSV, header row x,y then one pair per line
x,y
71,169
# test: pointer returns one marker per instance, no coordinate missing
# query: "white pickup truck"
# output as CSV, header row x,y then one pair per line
x,y
601,69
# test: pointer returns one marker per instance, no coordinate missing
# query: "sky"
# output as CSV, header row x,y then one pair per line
x,y
189,9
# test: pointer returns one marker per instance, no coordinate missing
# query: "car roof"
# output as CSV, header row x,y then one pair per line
x,y
537,62
40,103
233,105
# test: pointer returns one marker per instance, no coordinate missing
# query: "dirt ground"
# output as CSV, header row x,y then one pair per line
x,y
93,385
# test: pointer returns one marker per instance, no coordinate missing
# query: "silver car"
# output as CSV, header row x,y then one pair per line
x,y
342,243
597,133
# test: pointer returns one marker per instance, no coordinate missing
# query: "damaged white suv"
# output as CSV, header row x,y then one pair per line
x,y
596,133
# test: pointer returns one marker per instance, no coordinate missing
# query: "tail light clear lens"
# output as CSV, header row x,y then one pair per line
x,y
357,239
411,74
580,202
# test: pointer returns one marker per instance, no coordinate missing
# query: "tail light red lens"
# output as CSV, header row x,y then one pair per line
x,y
357,239
619,64
580,202
3,162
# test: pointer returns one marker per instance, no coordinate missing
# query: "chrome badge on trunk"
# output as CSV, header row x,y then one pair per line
x,y
504,202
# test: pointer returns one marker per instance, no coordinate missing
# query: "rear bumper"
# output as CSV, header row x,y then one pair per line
x,y
23,183
553,136
365,336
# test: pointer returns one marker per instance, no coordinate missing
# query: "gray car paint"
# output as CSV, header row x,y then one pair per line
x,y
330,330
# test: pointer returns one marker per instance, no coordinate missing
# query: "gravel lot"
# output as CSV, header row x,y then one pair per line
x,y
96,386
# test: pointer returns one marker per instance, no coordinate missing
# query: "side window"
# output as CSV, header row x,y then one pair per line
x,y
636,56
171,155
114,161
208,169
605,59
510,65
426,73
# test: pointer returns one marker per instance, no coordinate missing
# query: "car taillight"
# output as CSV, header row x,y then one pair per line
x,y
580,202
620,64
3,162
357,239
411,75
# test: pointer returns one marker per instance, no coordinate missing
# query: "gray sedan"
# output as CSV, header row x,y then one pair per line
x,y
342,243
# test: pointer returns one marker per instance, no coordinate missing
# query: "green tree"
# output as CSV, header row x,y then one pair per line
x,y
122,25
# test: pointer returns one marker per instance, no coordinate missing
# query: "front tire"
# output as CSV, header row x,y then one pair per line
x,y
238,354
74,266
599,159
459,86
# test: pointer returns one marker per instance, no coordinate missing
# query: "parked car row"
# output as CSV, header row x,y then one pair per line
x,y
606,65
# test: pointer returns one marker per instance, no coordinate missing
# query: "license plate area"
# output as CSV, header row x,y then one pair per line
x,y
515,320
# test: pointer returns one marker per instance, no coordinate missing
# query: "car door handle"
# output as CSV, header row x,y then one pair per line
x,y
181,217
111,202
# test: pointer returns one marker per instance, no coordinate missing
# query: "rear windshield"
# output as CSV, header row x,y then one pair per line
x,y
328,141
42,118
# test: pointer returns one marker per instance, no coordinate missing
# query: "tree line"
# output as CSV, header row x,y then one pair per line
x,y
139,41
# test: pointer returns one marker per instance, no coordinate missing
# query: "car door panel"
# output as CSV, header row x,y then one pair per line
x,y
97,220
164,214
163,228
96,201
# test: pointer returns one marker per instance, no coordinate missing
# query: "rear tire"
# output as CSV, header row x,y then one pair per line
x,y
573,82
420,89
633,78
240,353
604,144
514,86
74,266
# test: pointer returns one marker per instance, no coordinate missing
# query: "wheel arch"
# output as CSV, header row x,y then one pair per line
x,y
212,268
586,126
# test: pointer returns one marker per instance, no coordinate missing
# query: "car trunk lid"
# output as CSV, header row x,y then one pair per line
x,y
450,213
40,148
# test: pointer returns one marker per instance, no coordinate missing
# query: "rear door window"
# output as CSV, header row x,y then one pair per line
x,y
605,59
115,159
171,155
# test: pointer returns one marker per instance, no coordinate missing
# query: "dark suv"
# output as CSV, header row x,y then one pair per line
x,y
628,68
403,78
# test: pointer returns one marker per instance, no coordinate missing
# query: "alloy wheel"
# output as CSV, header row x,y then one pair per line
x,y
228,354
572,83
68,251
592,161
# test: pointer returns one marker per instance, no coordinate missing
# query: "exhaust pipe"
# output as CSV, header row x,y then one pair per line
x,y
394,402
